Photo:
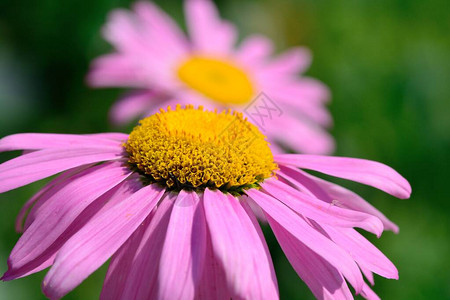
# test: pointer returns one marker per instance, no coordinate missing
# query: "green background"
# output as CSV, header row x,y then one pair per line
x,y
386,63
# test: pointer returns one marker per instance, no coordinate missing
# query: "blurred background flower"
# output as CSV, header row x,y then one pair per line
x,y
165,67
386,63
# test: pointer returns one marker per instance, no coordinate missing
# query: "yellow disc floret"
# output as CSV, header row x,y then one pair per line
x,y
219,80
189,148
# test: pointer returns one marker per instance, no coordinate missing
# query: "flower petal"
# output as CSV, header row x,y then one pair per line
x,y
254,50
37,165
297,226
207,31
290,63
305,88
239,248
61,210
183,254
142,274
213,284
362,251
90,247
323,279
123,30
294,103
47,255
364,171
116,70
37,141
121,262
131,107
162,29
66,177
115,136
320,211
304,136
368,275
334,194
249,210
257,211
368,294
42,196
143,60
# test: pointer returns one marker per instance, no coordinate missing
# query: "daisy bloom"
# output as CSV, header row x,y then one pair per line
x,y
174,205
155,58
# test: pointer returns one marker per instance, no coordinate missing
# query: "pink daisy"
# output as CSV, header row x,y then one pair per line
x,y
174,206
154,57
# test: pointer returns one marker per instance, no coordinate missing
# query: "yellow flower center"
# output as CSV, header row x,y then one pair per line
x,y
218,80
189,148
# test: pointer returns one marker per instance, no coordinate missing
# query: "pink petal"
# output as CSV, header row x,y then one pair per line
x,y
42,196
131,107
116,70
90,247
46,258
362,251
68,177
257,211
290,221
121,262
37,165
302,136
123,31
34,266
162,29
115,136
254,50
323,279
181,264
368,294
360,170
207,31
60,211
213,284
368,275
37,141
142,275
27,206
239,248
297,105
320,211
143,62
334,194
305,88
252,216
276,148
289,63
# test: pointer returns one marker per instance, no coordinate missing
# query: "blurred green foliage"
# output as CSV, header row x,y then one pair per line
x,y
386,63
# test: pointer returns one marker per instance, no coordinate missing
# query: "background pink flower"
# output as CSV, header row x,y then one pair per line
x,y
153,56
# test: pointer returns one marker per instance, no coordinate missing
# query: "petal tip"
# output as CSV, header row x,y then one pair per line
x,y
5,276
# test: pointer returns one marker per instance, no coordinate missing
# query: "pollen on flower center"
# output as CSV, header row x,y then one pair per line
x,y
219,80
189,148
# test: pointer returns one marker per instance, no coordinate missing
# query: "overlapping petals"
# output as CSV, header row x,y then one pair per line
x,y
192,244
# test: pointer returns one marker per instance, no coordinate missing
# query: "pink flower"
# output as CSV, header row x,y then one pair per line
x,y
146,202
153,56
